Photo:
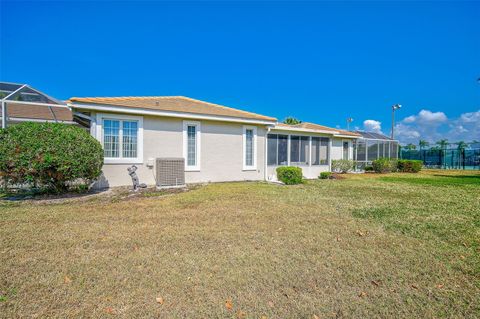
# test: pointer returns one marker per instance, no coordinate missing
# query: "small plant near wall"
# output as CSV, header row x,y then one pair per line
x,y
325,175
342,166
384,165
290,175
51,157
410,166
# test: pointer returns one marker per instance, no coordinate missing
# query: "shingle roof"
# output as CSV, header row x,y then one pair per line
x,y
172,104
38,112
316,127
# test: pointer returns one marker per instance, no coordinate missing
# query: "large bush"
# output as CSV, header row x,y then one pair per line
x,y
410,166
49,155
384,165
342,166
290,175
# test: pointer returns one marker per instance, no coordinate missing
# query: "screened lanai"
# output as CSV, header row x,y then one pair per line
x,y
371,146
21,102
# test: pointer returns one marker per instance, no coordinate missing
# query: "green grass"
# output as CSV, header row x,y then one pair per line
x,y
368,246
436,180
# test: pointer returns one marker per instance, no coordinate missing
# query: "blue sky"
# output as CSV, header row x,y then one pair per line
x,y
318,61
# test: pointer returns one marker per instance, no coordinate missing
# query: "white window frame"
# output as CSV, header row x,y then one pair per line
x,y
244,154
197,124
121,117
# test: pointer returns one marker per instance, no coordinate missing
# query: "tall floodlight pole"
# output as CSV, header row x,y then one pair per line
x,y
394,108
349,120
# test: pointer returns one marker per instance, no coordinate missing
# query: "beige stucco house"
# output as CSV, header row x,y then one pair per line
x,y
218,143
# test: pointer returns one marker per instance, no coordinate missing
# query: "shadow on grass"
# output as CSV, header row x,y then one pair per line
x,y
436,180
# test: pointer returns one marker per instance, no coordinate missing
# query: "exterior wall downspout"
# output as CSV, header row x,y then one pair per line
x,y
330,154
4,116
265,164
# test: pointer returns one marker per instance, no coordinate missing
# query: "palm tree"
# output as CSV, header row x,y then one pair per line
x,y
443,147
461,145
291,121
423,144
443,144
410,147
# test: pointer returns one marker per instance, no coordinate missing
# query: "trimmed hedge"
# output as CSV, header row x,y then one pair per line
x,y
410,166
384,165
51,156
325,175
290,175
342,166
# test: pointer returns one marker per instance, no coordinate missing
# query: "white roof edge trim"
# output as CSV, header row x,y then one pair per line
x,y
37,103
25,119
143,111
297,129
346,136
376,139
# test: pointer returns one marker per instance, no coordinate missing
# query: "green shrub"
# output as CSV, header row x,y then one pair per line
x,y
290,175
325,175
410,166
384,165
368,168
342,166
52,156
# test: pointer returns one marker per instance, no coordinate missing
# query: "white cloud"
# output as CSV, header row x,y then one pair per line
x,y
426,116
433,126
372,126
472,117
406,131
409,119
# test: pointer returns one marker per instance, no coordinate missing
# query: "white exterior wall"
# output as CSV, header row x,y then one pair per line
x,y
337,148
221,152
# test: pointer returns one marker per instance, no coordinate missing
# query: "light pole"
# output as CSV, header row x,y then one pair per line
x,y
349,120
394,108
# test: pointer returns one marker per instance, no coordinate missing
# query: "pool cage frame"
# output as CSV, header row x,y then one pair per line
x,y
372,146
24,94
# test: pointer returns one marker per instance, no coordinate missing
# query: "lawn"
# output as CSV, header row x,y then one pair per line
x,y
367,246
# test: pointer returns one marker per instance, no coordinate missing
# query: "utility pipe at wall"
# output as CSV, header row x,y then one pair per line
x,y
265,173
4,117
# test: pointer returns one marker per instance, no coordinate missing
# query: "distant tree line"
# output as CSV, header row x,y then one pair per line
x,y
439,145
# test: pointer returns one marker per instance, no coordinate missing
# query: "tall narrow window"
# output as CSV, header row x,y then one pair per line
x,y
111,138
129,129
191,145
345,151
249,147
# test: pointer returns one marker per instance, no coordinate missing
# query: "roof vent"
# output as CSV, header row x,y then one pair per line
x,y
157,103
170,172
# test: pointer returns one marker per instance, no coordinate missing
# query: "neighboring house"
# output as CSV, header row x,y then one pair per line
x,y
218,143
20,103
